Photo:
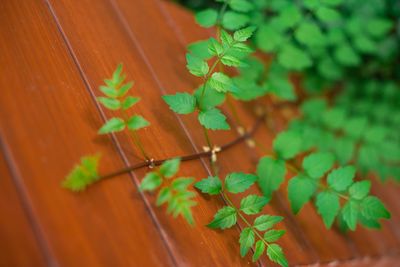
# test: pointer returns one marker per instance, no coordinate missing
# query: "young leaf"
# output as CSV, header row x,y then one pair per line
x,y
275,254
226,39
209,99
244,34
82,174
181,103
207,18
231,61
317,164
253,204
110,103
301,188
164,195
137,122
233,20
238,182
200,49
196,66
271,174
221,82
181,184
340,179
241,5
246,240
328,207
214,47
258,250
112,125
150,182
360,190
224,218
213,119
211,185
124,89
129,102
287,144
109,91
265,222
372,208
293,58
273,235
350,214
170,167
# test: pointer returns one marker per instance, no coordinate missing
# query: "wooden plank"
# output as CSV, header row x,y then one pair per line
x,y
48,120
98,47
19,245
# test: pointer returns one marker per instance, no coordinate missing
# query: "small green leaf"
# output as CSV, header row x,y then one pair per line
x,y
124,89
110,103
265,222
241,5
271,174
196,66
346,55
211,185
233,20
258,250
340,179
246,240
372,208
112,125
213,119
294,58
150,182
207,18
116,77
317,164
231,61
328,207
109,91
214,47
359,190
273,235
253,204
164,195
200,49
181,103
275,254
379,27
137,122
309,34
287,144
182,183
226,39
244,34
238,182
83,174
224,218
301,188
221,82
129,102
350,214
170,167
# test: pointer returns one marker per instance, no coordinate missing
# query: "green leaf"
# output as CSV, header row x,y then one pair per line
x,y
244,34
196,66
112,125
83,174
109,91
328,15
213,119
137,122
271,174
226,39
350,214
294,58
246,240
207,18
181,103
259,250
224,218
211,185
372,208
129,102
300,189
281,87
317,164
116,77
221,82
289,16
233,21
238,182
164,195
275,254
309,34
231,61
110,103
181,183
379,27
340,179
170,167
210,98
200,49
273,235
241,5
345,55
253,204
360,190
265,222
214,47
287,144
124,89
150,182
269,38
328,207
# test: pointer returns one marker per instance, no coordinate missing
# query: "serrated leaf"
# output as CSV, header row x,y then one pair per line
x,y
137,122
258,250
110,103
238,182
271,174
181,103
265,222
200,49
287,144
253,204
182,183
300,189
150,182
273,235
340,179
221,82
328,207
196,66
129,102
350,213
226,39
244,34
213,119
209,99
359,190
231,61
83,174
170,167
112,125
211,185
276,255
164,195
317,164
214,47
124,89
207,18
233,20
372,208
246,240
109,91
224,218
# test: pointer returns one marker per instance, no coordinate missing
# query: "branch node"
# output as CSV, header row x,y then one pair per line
x,y
151,164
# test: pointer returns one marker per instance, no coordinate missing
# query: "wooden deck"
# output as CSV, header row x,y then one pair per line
x,y
53,56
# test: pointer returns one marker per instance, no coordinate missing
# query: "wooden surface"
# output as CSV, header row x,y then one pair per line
x,y
53,56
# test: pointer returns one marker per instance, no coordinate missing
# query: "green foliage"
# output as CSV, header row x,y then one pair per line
x,y
181,103
83,174
271,174
212,185
213,119
224,218
238,182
